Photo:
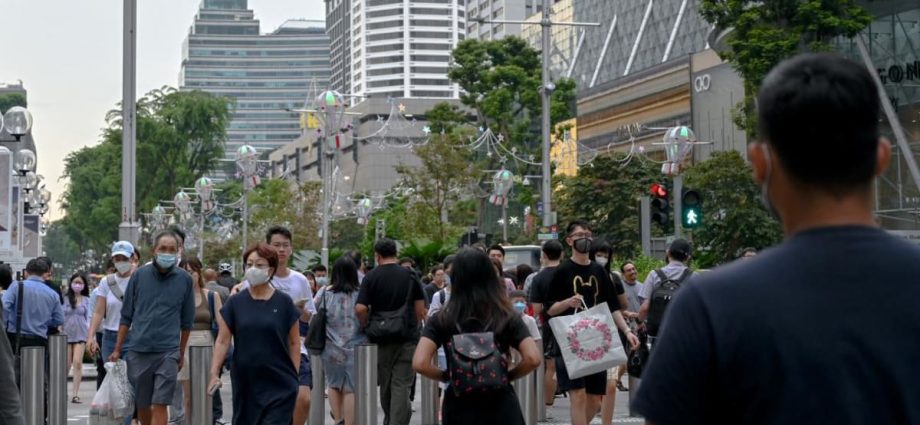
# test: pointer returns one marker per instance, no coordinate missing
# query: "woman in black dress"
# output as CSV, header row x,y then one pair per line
x,y
478,303
263,324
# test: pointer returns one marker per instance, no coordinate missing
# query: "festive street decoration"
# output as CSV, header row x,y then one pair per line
x,y
501,185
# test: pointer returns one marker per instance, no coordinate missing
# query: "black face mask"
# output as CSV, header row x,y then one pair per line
x,y
582,245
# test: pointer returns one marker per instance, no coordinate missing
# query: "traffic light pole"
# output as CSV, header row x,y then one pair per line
x,y
645,225
678,190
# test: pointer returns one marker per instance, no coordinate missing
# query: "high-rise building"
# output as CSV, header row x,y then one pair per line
x,y
398,48
564,38
266,75
338,27
498,10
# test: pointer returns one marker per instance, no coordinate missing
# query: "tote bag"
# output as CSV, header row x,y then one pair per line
x,y
588,341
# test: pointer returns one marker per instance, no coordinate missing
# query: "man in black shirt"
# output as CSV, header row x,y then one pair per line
x,y
386,289
550,255
788,337
576,283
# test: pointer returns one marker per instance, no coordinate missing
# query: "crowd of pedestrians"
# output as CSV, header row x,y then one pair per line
x,y
825,354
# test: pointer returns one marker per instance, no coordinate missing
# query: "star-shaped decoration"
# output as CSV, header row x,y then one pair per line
x,y
426,129
501,222
531,157
489,154
402,108
501,137
512,220
481,130
379,118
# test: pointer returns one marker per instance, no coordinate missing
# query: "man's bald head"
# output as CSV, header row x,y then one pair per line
x,y
210,275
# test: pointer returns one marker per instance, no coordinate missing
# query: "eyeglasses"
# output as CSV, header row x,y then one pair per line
x,y
581,235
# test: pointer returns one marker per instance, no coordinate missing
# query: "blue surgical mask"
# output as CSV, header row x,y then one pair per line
x,y
520,306
166,261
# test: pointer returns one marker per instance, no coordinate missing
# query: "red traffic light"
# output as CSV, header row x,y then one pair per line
x,y
658,190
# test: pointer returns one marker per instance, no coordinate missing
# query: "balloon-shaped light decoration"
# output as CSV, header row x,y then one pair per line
x,y
331,107
678,142
363,209
24,161
183,202
17,121
29,181
204,187
247,160
501,185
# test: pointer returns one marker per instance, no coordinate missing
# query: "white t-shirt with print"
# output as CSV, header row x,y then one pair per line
x,y
296,286
112,317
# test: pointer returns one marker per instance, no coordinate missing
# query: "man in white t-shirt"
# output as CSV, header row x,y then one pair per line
x,y
295,285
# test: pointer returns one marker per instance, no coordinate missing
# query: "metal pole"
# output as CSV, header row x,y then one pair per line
x,y
57,376
504,223
645,224
526,394
539,389
366,395
546,105
324,168
678,191
245,215
199,371
129,228
33,385
318,392
201,235
430,400
633,388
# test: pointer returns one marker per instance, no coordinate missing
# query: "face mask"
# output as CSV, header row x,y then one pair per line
x,y
166,261
765,186
322,281
602,261
77,287
256,276
123,267
582,245
520,306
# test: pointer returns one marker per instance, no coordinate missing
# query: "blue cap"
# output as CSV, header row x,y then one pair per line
x,y
123,248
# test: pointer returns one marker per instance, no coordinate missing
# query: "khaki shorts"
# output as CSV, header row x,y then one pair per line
x,y
195,339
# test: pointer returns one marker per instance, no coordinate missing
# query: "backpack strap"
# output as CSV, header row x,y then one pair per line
x,y
684,275
19,303
662,278
113,286
442,296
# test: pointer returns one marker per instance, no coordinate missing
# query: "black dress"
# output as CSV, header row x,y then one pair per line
x,y
499,407
264,378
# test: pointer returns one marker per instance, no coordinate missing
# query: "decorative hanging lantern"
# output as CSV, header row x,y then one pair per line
x,y
678,143
363,209
501,185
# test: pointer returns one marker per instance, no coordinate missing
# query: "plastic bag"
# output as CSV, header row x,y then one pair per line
x,y
115,398
588,341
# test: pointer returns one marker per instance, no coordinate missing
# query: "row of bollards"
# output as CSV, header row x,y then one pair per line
x,y
43,382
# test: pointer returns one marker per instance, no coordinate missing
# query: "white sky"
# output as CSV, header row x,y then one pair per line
x,y
68,55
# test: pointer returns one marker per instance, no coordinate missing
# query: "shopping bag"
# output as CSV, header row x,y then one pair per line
x,y
114,400
588,341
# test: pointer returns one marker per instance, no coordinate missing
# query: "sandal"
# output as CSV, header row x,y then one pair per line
x,y
76,400
621,387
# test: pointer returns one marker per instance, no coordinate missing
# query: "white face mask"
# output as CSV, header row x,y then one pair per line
x,y
602,261
256,276
123,267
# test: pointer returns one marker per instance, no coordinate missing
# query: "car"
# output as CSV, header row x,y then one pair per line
x,y
522,254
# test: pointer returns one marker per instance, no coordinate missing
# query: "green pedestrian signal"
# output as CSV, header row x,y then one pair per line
x,y
691,209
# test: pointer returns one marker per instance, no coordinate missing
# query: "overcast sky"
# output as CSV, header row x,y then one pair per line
x,y
68,55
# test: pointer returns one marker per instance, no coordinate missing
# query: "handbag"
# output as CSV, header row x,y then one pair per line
x,y
316,336
588,341
390,326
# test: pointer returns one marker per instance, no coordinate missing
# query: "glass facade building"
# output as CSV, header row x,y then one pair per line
x,y
264,75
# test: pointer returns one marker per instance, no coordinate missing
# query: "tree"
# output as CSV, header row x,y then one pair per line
x,y
180,138
442,180
606,194
767,32
734,217
10,100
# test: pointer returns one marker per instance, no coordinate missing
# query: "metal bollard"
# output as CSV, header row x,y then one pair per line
x,y
526,394
539,388
318,391
33,385
366,394
430,400
633,387
199,372
57,379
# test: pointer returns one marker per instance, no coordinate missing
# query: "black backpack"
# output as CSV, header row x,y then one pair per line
x,y
475,363
661,297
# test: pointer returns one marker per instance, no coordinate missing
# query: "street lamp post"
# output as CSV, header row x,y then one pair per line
x,y
331,105
129,228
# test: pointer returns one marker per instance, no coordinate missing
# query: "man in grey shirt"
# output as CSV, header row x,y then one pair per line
x,y
678,255
10,403
157,315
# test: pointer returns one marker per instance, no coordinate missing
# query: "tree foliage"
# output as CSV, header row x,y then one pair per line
x,y
10,100
734,217
767,32
180,137
606,194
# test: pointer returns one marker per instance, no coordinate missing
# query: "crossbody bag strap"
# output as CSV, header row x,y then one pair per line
x,y
19,303
113,286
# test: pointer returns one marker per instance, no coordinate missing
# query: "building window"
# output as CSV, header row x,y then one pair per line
x,y
385,36
385,48
431,46
385,71
431,93
429,70
381,13
429,58
429,34
429,82
429,11
384,83
385,59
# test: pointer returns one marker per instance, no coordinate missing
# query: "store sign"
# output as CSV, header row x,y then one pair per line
x,y
908,71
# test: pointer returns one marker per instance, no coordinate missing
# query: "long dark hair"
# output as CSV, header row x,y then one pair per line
x,y
193,264
85,292
344,275
601,246
476,293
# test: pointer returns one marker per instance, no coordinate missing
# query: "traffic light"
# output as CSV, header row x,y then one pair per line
x,y
691,206
659,206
